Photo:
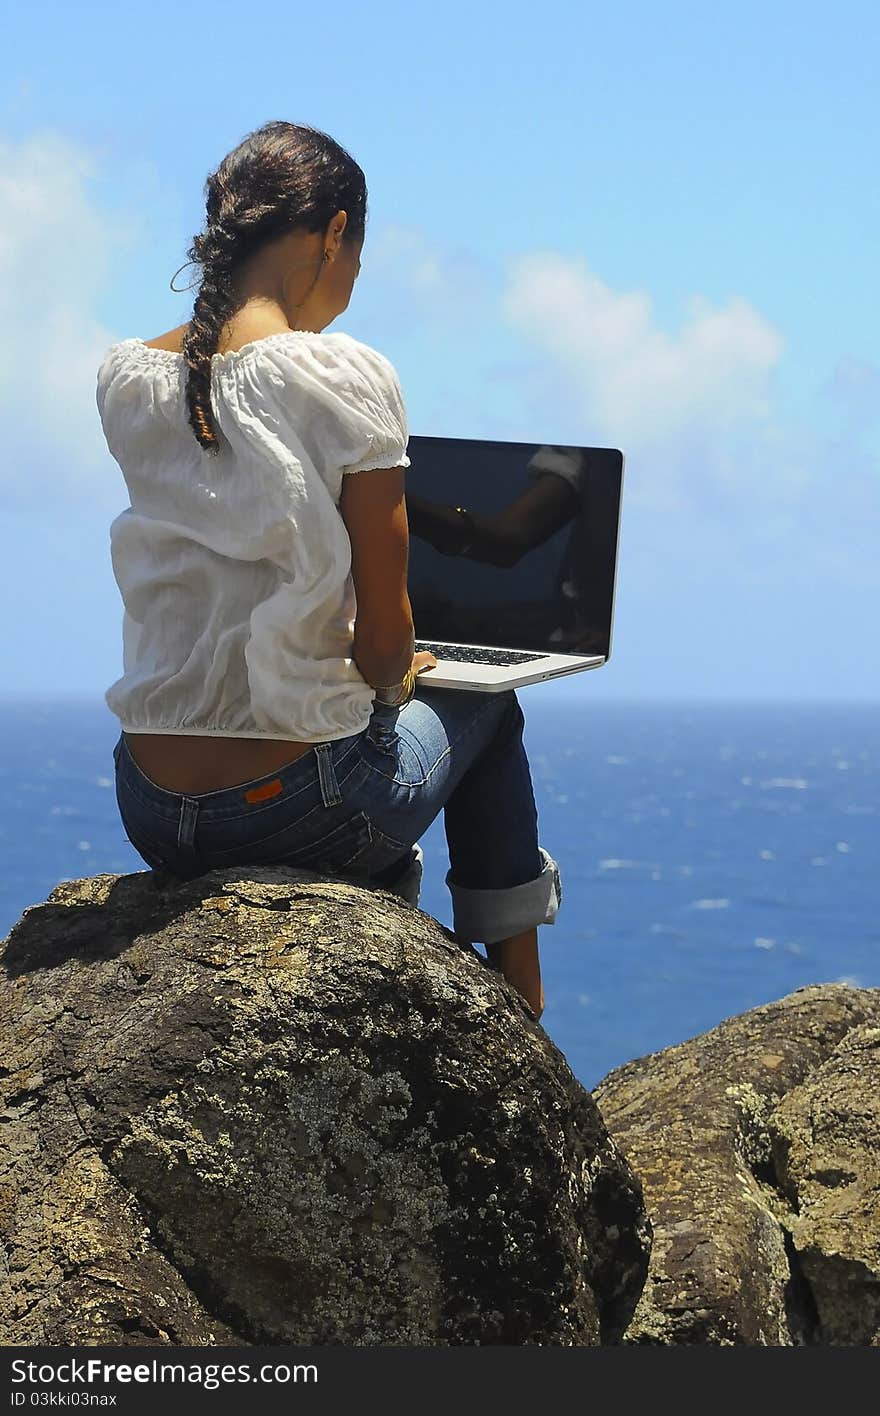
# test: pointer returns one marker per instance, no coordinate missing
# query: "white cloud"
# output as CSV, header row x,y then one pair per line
x,y
57,244
639,377
693,410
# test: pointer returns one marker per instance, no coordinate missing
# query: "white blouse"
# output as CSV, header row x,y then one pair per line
x,y
235,569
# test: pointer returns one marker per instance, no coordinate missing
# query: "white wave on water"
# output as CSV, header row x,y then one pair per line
x,y
616,760
614,863
761,943
668,932
63,811
799,784
710,904
767,855
103,781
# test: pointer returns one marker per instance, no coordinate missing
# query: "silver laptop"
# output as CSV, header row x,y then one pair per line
x,y
512,558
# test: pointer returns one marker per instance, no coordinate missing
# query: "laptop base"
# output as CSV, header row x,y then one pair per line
x,y
463,673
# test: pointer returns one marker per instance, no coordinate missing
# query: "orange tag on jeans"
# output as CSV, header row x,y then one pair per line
x,y
269,789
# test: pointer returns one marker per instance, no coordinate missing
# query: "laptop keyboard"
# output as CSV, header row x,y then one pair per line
x,y
463,655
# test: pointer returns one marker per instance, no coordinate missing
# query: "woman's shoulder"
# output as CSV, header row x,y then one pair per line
x,y
347,365
366,358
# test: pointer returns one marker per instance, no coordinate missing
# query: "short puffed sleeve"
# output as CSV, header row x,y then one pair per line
x,y
379,431
343,401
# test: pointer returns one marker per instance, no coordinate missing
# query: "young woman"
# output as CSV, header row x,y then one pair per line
x,y
268,703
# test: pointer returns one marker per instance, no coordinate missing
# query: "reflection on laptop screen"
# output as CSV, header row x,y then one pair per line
x,y
533,565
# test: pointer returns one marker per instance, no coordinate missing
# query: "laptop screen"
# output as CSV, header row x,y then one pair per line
x,y
532,564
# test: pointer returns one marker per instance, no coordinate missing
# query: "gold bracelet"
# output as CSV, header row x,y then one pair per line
x,y
402,691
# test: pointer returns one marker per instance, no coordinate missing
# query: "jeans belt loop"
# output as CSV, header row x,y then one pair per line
x,y
330,793
186,831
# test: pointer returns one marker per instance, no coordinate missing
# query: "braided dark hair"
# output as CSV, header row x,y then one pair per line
x,y
281,176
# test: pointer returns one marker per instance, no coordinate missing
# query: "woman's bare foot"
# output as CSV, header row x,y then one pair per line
x,y
517,959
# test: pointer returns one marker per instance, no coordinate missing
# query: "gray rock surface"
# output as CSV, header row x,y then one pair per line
x,y
268,1107
757,1146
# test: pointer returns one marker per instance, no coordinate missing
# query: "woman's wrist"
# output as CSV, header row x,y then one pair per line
x,y
397,694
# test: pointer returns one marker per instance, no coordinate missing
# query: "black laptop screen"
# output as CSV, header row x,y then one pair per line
x,y
532,563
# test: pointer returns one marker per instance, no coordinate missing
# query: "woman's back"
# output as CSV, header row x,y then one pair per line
x,y
235,569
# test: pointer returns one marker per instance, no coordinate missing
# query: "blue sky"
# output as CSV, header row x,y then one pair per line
x,y
644,226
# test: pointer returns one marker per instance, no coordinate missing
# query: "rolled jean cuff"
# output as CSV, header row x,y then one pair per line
x,y
485,916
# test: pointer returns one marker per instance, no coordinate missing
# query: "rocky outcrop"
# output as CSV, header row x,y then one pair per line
x,y
268,1107
825,1155
757,1145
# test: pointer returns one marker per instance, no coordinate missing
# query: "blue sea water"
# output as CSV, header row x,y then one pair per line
x,y
713,857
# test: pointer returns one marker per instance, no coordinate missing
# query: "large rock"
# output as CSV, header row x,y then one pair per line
x,y
757,1146
267,1107
825,1143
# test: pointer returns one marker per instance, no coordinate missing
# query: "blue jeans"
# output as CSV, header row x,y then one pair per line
x,y
356,807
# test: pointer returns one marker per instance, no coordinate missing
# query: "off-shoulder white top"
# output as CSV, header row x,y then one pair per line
x,y
235,569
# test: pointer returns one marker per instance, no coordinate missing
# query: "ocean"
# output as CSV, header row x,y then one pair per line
x,y
713,856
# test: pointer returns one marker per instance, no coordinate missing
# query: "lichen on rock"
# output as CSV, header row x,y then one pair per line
x,y
757,1146
269,1107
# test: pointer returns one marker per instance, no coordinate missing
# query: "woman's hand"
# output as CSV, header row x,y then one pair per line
x,y
423,660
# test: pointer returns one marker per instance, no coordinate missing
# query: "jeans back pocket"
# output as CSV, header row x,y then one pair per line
x,y
298,844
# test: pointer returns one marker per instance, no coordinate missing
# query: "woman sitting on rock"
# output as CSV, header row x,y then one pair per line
x,y
268,705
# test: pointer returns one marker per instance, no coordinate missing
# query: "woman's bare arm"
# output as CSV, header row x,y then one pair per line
x,y
373,508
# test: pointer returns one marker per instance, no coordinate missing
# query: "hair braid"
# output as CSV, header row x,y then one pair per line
x,y
279,177
213,306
